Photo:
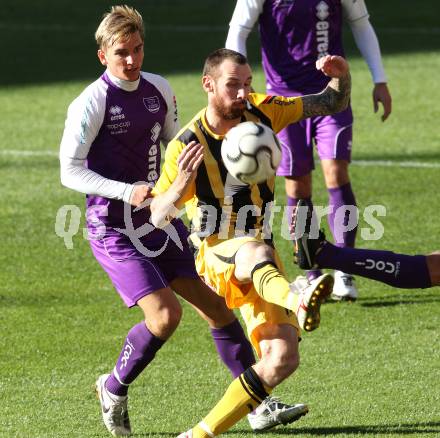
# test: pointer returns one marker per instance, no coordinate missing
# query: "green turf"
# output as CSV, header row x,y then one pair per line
x,y
372,369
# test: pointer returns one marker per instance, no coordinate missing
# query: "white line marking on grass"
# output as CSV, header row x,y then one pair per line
x,y
19,153
390,163
361,163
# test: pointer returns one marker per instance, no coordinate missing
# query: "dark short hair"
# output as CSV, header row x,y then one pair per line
x,y
215,58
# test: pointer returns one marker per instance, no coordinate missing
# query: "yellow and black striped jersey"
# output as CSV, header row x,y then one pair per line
x,y
216,202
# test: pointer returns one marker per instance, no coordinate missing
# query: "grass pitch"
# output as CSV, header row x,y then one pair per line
x,y
372,368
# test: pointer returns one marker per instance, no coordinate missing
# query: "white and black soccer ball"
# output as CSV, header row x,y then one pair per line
x,y
251,152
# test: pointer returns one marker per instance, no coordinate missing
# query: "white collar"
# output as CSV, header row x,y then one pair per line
x,y
125,85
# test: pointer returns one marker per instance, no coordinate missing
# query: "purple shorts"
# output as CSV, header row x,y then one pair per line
x,y
331,134
140,268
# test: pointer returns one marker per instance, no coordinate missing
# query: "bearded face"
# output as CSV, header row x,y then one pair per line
x,y
229,86
229,110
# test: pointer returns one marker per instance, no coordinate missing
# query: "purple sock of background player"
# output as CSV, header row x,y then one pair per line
x,y
340,197
397,270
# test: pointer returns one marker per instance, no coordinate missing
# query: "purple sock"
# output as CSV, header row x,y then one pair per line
x,y
138,351
291,203
233,347
397,270
342,221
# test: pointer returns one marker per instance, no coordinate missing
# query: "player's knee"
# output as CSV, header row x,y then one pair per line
x,y
250,255
165,321
299,186
254,252
262,253
335,173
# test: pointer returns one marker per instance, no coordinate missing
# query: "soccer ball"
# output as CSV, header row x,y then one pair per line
x,y
251,152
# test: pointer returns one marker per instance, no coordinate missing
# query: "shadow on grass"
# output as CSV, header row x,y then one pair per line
x,y
398,300
390,300
431,427
409,297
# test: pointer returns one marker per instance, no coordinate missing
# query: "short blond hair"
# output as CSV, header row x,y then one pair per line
x,y
118,24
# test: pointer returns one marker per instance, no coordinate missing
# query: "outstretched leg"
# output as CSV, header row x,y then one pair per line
x,y
397,270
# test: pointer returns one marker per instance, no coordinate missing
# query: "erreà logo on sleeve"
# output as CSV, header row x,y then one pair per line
x,y
322,10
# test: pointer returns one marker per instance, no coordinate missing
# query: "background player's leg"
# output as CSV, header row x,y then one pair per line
x,y
340,196
333,142
342,219
296,188
296,166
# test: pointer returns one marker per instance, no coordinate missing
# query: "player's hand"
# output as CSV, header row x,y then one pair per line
x,y
189,161
382,94
140,193
333,66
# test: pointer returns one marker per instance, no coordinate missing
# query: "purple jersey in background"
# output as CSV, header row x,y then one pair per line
x,y
305,29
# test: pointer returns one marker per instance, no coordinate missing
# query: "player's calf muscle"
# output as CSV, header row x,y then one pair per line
x,y
280,356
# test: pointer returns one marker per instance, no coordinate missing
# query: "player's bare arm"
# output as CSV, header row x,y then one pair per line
x,y
336,96
165,205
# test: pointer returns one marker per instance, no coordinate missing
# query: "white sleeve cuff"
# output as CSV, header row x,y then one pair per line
x,y
127,193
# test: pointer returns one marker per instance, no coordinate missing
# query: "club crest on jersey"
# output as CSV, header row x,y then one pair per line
x,y
322,10
152,104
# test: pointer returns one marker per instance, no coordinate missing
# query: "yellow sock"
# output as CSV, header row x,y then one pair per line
x,y
273,286
198,432
243,395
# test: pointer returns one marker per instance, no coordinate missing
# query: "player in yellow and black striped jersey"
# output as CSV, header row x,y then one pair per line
x,y
213,186
233,258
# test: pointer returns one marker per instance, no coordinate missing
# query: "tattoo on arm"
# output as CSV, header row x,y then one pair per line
x,y
333,99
